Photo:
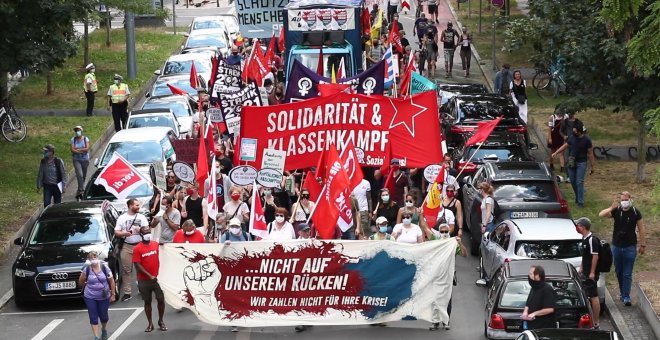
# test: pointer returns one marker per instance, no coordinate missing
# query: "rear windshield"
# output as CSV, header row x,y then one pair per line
x,y
135,152
515,294
525,191
510,153
486,110
179,109
184,66
139,122
549,249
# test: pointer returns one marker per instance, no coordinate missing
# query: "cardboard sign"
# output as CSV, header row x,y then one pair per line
x,y
431,172
215,115
183,171
269,178
258,19
273,159
186,149
248,149
243,175
159,172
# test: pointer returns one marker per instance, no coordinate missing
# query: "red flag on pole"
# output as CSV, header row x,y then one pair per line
x,y
270,52
395,37
280,40
237,150
258,226
484,129
326,211
202,163
319,67
327,90
194,83
119,177
320,165
365,18
210,141
176,90
214,71
349,159
312,185
407,76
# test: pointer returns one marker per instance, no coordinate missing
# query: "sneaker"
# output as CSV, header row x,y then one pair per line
x,y
126,297
446,326
234,329
104,334
596,326
626,302
435,326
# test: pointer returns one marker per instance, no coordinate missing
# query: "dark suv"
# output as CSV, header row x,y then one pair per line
x,y
447,91
522,190
507,296
466,110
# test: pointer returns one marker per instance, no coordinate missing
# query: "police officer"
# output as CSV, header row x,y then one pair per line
x,y
90,87
118,94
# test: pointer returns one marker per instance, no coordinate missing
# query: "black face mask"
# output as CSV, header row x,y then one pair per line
x,y
535,284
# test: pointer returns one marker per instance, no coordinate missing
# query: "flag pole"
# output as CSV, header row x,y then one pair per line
x,y
295,209
469,160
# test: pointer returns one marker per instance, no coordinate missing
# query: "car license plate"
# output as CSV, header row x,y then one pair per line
x,y
60,285
524,214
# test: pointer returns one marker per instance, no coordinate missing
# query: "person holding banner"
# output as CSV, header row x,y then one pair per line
x,y
188,234
280,229
407,232
381,233
235,233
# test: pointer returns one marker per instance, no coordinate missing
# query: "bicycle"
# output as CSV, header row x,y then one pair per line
x,y
14,129
549,81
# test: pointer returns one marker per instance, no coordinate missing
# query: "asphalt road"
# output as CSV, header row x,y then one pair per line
x,y
69,320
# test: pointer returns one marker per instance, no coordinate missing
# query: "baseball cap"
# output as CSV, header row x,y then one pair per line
x,y
78,127
117,77
304,227
89,66
234,221
381,220
583,221
49,147
394,161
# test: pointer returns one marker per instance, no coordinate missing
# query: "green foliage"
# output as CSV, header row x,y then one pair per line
x,y
644,47
618,12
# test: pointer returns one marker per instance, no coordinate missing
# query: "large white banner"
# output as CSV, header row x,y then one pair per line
x,y
320,19
309,282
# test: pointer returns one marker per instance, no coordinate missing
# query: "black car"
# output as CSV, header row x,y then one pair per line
x,y
447,91
466,110
55,249
522,190
507,296
567,334
498,147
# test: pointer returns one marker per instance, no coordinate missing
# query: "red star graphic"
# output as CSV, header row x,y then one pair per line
x,y
406,116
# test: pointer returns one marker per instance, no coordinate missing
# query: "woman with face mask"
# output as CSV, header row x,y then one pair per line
x,y
236,208
302,209
98,293
410,207
386,207
195,208
234,233
381,231
188,234
451,203
80,152
281,229
406,231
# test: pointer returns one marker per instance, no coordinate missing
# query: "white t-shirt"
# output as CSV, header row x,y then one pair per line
x,y
487,200
407,235
132,223
285,233
360,193
230,208
448,214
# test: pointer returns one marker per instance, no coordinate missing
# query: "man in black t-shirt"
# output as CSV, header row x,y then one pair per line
x,y
627,220
539,309
449,39
580,149
588,269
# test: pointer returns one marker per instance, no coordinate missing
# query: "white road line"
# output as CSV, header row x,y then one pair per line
x,y
126,323
6,297
67,311
46,330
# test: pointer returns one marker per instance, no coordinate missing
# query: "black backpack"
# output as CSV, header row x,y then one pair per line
x,y
605,259
496,211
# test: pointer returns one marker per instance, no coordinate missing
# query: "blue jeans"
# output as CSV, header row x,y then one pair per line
x,y
624,260
52,191
97,310
490,227
348,234
577,181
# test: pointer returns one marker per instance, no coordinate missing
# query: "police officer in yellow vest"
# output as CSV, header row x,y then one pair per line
x,y
118,94
90,87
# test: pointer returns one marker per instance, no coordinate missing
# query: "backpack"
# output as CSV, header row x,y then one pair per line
x,y
605,259
496,211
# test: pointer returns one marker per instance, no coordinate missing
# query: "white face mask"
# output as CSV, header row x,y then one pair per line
x,y
217,170
95,262
78,133
163,207
409,204
92,70
117,82
406,221
189,233
279,219
625,204
385,198
235,231
146,237
444,235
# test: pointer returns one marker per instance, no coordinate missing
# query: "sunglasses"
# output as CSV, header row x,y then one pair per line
x,y
406,216
410,201
444,232
171,176
279,215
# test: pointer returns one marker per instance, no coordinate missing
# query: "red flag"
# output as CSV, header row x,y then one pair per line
x,y
237,150
319,66
280,40
270,52
176,90
440,178
405,4
320,165
349,159
202,164
193,76
345,219
256,67
365,18
386,169
258,226
407,76
327,90
395,38
214,71
326,212
312,185
484,129
210,141
120,178
221,126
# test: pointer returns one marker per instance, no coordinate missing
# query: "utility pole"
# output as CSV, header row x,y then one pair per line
x,y
493,41
131,63
174,15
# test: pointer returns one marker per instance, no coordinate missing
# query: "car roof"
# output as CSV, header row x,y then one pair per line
x,y
72,209
171,98
554,268
153,112
463,88
546,229
207,31
155,133
483,97
572,333
201,55
526,170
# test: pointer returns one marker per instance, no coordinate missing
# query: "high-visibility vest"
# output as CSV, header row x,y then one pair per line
x,y
93,86
118,93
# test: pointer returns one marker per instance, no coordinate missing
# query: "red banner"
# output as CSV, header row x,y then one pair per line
x,y
304,129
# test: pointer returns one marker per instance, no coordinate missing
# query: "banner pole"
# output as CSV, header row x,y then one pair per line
x,y
295,209
469,160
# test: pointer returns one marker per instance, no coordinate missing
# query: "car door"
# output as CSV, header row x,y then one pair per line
x,y
501,246
488,245
493,262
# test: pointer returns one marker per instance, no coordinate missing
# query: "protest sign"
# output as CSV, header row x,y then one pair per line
x,y
183,171
186,149
269,178
273,159
319,19
259,19
304,129
420,84
231,104
431,172
228,78
264,284
248,151
243,175
215,115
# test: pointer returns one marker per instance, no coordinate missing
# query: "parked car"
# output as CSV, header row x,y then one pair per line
x,y
160,88
54,250
522,190
507,296
217,38
568,334
447,91
181,64
141,146
231,21
180,105
226,21
154,117
466,110
498,147
536,238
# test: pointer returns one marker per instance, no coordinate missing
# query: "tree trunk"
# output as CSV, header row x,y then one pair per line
x,y
641,151
4,86
86,43
49,83
108,22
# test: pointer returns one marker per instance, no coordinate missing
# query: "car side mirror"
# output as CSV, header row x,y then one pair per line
x,y
467,180
485,236
19,241
157,72
186,35
480,283
559,178
533,146
147,95
96,162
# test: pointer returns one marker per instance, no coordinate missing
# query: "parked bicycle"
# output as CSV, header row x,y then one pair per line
x,y
13,128
550,81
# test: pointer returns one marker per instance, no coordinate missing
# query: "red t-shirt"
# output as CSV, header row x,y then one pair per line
x,y
147,256
181,237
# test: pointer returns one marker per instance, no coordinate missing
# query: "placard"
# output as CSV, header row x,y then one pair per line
x,y
248,149
184,172
431,172
159,172
269,178
321,19
273,159
258,19
215,115
243,175
186,149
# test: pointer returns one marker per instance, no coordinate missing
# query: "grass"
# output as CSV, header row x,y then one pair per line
x,y
152,46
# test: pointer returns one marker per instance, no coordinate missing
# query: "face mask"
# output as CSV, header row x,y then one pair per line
x,y
189,192
189,233
409,204
279,219
235,231
116,82
625,204
444,235
382,229
163,207
78,133
45,154
235,197
146,237
406,221
385,198
217,170
534,284
450,194
95,262
266,192
395,168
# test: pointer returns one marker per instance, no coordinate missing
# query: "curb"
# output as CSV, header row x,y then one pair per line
x,y
617,318
647,310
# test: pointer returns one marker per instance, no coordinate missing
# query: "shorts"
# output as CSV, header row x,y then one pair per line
x,y
146,287
433,9
590,287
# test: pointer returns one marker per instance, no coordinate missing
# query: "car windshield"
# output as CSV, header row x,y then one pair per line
x,y
486,109
510,153
311,60
68,231
205,40
546,249
514,294
161,89
180,109
139,122
525,191
185,66
202,25
135,152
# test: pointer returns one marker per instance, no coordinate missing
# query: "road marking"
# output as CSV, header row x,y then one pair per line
x,y
46,330
67,311
6,297
126,323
